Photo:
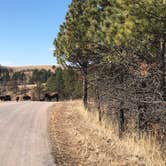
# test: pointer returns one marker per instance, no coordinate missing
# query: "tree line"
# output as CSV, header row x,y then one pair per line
x,y
65,82
119,48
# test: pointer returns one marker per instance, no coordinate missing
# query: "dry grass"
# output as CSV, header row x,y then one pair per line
x,y
29,68
79,139
29,86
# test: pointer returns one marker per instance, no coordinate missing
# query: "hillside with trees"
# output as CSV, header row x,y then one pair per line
x,y
67,83
119,48
36,82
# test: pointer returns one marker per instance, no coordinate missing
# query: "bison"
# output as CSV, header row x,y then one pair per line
x,y
26,97
5,98
2,98
51,96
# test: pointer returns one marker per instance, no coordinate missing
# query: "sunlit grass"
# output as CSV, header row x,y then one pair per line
x,y
97,143
145,147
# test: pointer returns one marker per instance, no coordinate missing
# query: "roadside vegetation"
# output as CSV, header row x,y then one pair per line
x,y
78,138
119,48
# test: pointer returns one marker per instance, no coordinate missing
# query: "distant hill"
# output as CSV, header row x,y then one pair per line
x,y
26,86
29,68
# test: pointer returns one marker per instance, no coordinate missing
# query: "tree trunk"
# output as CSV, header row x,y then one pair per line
x,y
98,99
140,119
121,121
99,106
162,57
98,102
85,88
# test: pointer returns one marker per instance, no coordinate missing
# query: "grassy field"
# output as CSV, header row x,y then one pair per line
x,y
29,68
79,139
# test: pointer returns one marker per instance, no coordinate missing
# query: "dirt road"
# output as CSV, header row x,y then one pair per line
x,y
23,134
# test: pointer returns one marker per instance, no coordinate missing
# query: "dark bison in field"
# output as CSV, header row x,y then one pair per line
x,y
1,98
5,98
26,98
51,97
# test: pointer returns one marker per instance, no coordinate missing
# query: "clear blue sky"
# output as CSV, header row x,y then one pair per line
x,y
27,30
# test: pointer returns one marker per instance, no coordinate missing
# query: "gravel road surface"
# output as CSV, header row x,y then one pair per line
x,y
23,134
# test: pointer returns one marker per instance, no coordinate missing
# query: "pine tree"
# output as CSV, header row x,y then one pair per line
x,y
72,43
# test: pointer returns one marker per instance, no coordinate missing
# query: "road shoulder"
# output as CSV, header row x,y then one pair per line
x,y
77,141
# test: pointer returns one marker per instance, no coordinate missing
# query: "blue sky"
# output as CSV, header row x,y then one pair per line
x,y
27,30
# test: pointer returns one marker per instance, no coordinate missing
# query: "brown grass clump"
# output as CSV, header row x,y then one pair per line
x,y
78,139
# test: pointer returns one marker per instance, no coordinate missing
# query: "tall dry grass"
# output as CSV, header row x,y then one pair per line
x,y
145,149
